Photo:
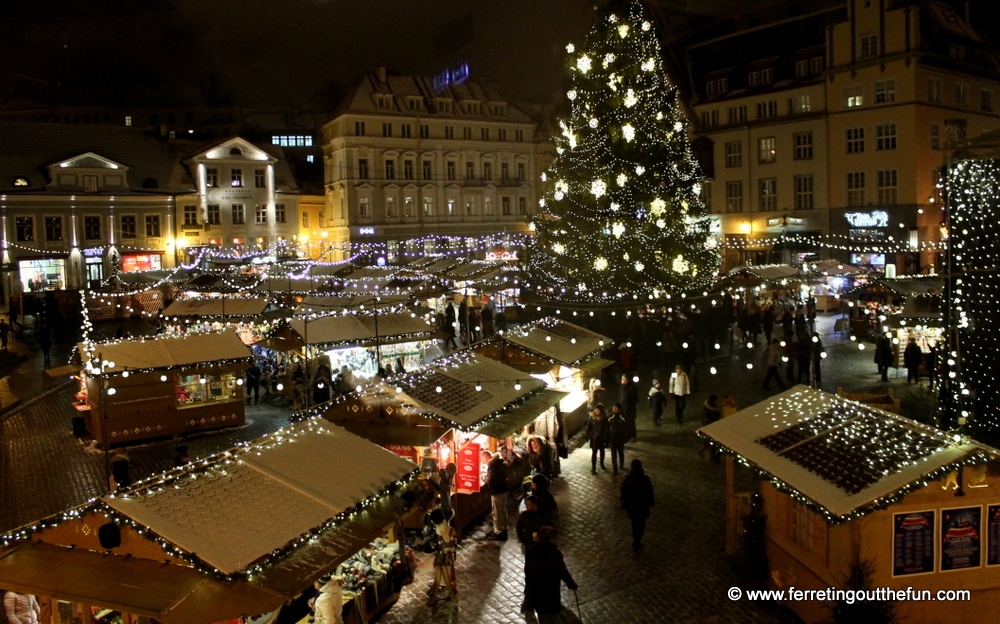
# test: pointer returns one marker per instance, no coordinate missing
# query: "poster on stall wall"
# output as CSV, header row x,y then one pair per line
x,y
913,543
467,478
993,533
402,450
961,544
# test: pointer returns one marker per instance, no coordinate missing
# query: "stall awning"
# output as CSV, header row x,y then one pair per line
x,y
217,306
558,340
594,365
510,422
168,352
360,330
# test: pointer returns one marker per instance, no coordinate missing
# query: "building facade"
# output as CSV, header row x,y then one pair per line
x,y
427,160
836,129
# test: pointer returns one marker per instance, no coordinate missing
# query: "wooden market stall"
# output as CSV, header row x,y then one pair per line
x,y
915,300
239,534
835,277
844,482
449,411
147,388
249,317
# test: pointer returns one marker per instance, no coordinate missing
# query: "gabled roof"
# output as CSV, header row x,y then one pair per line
x,y
89,160
559,341
167,352
847,458
217,306
362,329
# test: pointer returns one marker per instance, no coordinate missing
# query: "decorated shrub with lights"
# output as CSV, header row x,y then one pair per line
x,y
621,216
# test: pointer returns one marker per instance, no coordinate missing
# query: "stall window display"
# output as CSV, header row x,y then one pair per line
x,y
248,331
923,335
197,389
361,360
140,262
44,274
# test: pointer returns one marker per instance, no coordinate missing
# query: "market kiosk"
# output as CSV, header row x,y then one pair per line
x,y
883,302
245,315
835,277
239,534
147,388
447,413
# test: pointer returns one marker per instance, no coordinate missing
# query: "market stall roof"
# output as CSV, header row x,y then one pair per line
x,y
217,306
290,285
167,352
214,282
834,268
845,457
359,329
310,305
902,286
510,422
468,271
767,272
563,342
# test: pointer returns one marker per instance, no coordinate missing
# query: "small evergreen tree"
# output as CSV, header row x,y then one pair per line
x,y
859,577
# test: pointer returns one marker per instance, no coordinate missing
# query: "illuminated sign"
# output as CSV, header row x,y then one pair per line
x,y
505,256
876,218
93,252
773,221
366,230
454,76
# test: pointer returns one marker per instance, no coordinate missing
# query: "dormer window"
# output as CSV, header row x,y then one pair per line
x,y
766,76
21,182
472,108
444,106
499,109
414,104
381,101
753,78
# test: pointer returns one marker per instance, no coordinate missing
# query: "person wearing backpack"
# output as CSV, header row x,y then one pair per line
x,y
637,499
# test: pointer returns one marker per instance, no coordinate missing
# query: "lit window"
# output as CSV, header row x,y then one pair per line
x,y
766,150
854,95
236,178
768,194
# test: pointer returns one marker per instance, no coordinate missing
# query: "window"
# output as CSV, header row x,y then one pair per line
x,y
710,87
53,228
855,140
127,225
804,104
214,214
710,119
484,134
190,216
260,214
766,152
723,85
201,389
386,129
321,217
279,213
425,170
444,106
801,69
449,132
239,214
359,128
212,178
753,79
310,158
152,226
467,133
89,184
451,207
737,114
800,525
505,206
408,207
933,90
767,109
986,101
816,65
885,136
803,146
804,192
236,178
961,95
766,76
768,194
519,135
425,131
428,207
363,168
734,154
501,134
472,108
706,194
734,196
128,120
869,46
382,101
305,219
25,227
258,178
854,95
520,171
470,206
522,206
470,170
885,91
292,140
405,131
487,171
886,185
504,171
413,104
390,207
450,169
92,228
390,170
488,206
935,135
407,169
364,208
956,51
856,188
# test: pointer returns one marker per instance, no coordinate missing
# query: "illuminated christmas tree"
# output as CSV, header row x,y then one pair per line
x,y
621,219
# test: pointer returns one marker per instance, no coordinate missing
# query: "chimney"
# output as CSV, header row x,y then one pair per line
x,y
380,72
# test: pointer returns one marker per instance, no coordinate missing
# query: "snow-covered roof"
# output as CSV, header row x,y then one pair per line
x,y
254,500
167,352
773,271
846,457
217,306
834,267
340,303
558,340
361,328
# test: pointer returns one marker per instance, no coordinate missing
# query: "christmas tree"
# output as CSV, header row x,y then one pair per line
x,y
621,219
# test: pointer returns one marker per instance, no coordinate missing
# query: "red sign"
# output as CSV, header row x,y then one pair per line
x,y
467,478
402,450
140,262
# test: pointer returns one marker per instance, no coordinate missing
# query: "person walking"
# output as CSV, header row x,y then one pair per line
x,y
544,572
883,355
617,436
253,383
496,485
657,401
444,557
803,355
680,389
911,359
767,323
449,326
548,510
597,435
463,322
773,360
637,499
817,358
529,522
597,395
629,399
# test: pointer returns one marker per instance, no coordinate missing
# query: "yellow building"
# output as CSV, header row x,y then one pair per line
x,y
836,125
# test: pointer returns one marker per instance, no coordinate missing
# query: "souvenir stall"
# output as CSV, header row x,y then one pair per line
x,y
840,482
879,303
243,533
563,355
447,413
244,315
765,284
835,278
147,388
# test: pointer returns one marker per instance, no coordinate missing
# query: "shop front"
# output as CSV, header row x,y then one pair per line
x,y
41,274
244,315
145,261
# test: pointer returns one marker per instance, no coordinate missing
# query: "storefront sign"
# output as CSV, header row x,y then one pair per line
x,y
993,534
467,478
961,538
140,262
773,221
876,218
366,230
93,252
402,450
913,543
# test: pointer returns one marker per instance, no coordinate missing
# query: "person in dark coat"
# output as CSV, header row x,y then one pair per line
x,y
597,435
932,363
617,436
637,498
45,341
449,326
629,398
767,323
911,359
120,471
883,355
463,322
529,522
657,401
803,355
253,383
544,570
817,358
773,361
496,485
540,488
539,456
